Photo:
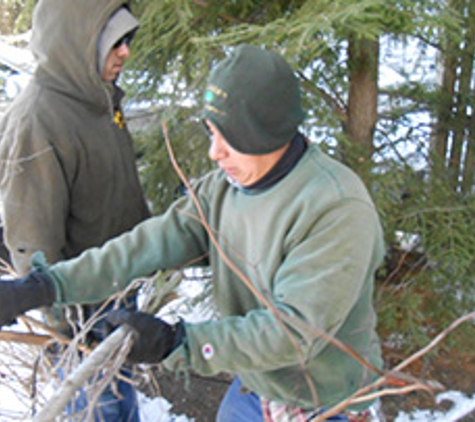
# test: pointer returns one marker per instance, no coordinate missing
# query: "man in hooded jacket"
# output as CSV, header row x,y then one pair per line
x,y
68,177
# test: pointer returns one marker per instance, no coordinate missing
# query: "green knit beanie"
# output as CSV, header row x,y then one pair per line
x,y
253,98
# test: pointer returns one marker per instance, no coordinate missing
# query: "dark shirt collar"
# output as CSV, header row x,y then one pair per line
x,y
283,167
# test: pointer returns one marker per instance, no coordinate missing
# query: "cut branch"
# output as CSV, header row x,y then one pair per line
x,y
427,386
98,357
26,338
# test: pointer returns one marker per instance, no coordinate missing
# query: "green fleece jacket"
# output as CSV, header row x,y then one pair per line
x,y
310,244
68,177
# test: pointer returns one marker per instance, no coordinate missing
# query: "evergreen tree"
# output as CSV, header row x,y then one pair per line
x,y
334,46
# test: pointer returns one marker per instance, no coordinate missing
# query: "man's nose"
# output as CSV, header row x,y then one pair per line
x,y
216,150
123,51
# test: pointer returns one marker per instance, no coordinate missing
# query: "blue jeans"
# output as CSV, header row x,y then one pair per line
x,y
114,405
237,406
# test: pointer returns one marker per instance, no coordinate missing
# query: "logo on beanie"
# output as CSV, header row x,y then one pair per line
x,y
215,95
213,91
209,96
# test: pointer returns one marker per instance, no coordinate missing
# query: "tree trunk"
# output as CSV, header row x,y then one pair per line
x,y
452,148
441,133
467,64
362,117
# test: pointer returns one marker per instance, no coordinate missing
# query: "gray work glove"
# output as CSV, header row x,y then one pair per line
x,y
154,339
20,295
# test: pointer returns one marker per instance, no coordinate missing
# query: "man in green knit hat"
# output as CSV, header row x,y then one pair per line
x,y
304,239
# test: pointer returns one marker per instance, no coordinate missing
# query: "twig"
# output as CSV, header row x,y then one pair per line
x,y
435,341
26,338
358,395
54,336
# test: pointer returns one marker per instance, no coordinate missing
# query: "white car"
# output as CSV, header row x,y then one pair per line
x,y
16,68
14,83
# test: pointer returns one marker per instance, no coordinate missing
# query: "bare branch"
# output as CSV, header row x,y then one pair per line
x,y
26,338
389,376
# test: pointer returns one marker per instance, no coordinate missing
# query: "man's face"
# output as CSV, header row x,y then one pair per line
x,y
245,169
114,62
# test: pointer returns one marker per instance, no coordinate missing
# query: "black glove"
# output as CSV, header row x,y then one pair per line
x,y
20,295
154,339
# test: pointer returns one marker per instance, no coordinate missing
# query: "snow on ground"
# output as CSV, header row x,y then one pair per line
x,y
462,406
158,410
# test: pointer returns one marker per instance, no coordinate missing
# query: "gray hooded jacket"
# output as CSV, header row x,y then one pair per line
x,y
68,179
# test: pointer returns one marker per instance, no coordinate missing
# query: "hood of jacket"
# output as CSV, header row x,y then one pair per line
x,y
65,39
